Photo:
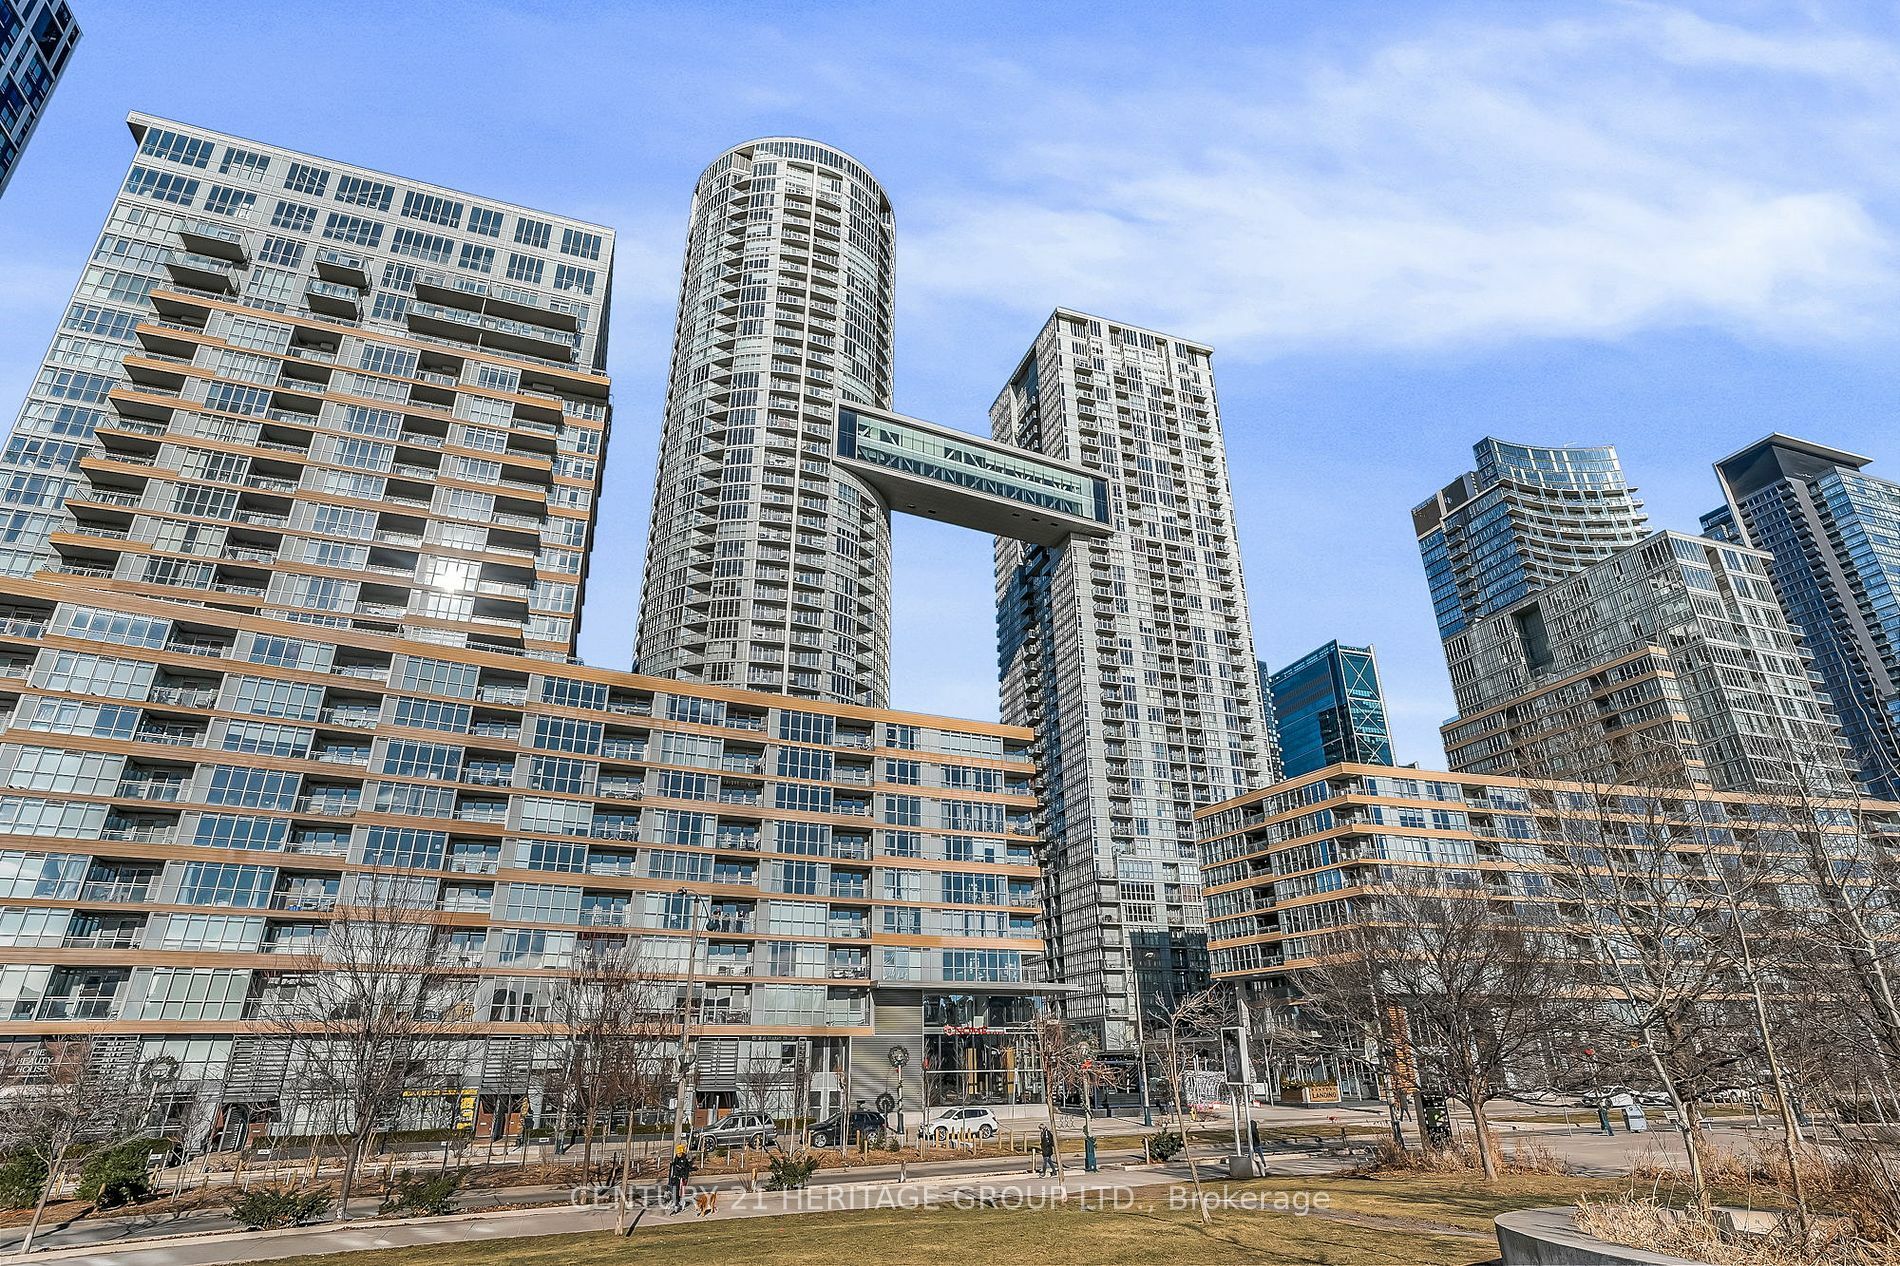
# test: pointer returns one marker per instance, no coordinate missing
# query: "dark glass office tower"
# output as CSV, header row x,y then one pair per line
x,y
36,38
1328,709
1833,533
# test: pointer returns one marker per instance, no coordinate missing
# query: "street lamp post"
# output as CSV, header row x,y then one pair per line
x,y
1141,1041
685,1057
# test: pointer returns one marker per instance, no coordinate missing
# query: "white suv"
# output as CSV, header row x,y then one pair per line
x,y
960,1123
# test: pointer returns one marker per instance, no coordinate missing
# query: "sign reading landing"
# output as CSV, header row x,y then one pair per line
x,y
934,472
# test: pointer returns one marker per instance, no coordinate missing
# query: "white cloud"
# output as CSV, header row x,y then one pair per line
x,y
1639,167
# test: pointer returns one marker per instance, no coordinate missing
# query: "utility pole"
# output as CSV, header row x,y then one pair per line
x,y
684,1059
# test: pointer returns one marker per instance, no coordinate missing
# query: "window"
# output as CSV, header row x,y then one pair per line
x,y
436,761
288,652
76,773
251,788
294,216
225,884
232,202
805,727
229,397
480,259
570,278
535,233
69,716
803,798
431,209
195,993
212,932
562,774
438,676
304,178
187,151
111,626
264,739
577,242
281,251
558,734
398,361
484,221
804,762
432,714
430,246
404,846
556,817
567,693
266,697
562,855
353,229
230,830
243,163
363,192
541,903
525,268
76,672
161,186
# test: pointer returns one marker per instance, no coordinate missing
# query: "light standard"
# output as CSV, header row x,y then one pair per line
x,y
1141,1041
684,1059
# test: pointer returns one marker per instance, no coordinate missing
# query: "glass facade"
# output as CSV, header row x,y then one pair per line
x,y
1832,533
36,39
1328,709
295,638
1130,655
1286,865
767,566
1524,518
1671,653
324,415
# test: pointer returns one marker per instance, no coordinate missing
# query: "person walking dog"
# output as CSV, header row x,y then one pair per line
x,y
676,1175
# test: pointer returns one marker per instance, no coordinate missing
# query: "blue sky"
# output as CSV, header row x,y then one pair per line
x,y
1401,226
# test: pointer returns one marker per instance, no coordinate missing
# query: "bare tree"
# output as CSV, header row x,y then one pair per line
x,y
375,1014
1071,1062
60,1100
1478,988
605,1027
1188,1026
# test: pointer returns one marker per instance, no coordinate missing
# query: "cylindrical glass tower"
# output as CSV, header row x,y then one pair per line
x,y
767,566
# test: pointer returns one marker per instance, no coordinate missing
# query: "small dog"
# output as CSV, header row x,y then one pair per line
x,y
708,1202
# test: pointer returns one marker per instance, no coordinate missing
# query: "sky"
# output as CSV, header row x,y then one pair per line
x,y
1402,226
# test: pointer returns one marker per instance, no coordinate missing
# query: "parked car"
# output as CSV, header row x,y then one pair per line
x,y
738,1129
847,1128
961,1123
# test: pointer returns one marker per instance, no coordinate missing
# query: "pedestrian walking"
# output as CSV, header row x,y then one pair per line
x,y
1603,1119
1253,1136
676,1175
1048,1144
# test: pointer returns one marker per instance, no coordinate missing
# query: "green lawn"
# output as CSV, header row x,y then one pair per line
x,y
1431,1220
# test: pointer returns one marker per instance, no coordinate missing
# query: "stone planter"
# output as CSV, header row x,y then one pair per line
x,y
1549,1237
